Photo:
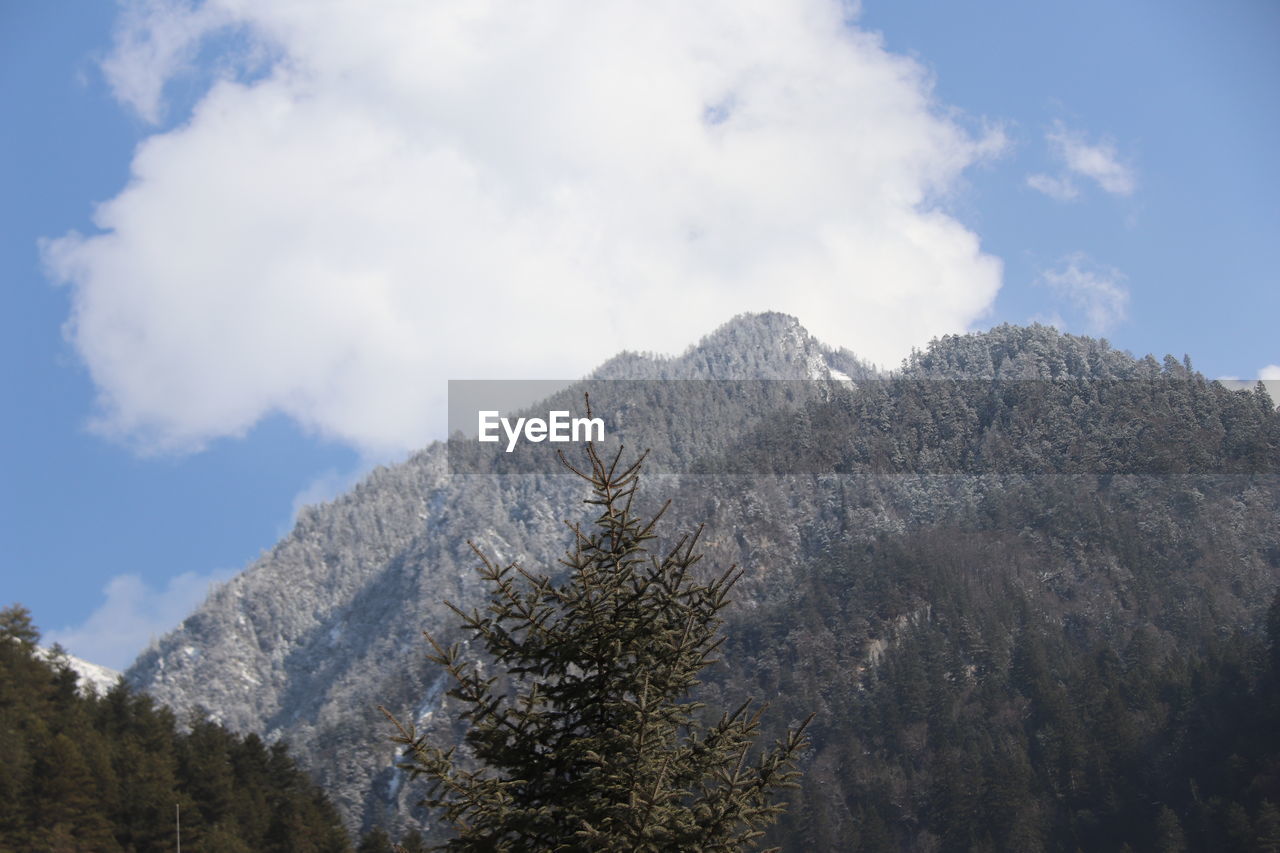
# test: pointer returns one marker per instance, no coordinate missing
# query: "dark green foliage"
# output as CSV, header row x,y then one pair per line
x,y
375,841
985,725
378,841
412,842
83,772
582,731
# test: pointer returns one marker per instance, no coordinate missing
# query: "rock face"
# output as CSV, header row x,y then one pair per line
x,y
308,640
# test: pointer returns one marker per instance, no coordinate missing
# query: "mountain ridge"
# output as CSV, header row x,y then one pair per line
x,y
312,636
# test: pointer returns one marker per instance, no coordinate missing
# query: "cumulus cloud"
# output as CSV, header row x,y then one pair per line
x,y
325,487
1271,371
133,614
1097,294
502,190
156,41
1097,161
1061,189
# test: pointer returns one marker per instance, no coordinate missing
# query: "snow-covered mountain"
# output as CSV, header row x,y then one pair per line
x,y
1013,482
92,676
307,641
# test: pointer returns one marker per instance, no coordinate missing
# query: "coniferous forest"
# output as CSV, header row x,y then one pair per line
x,y
81,772
1033,615
986,728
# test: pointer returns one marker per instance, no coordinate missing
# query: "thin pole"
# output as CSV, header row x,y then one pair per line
x,y
177,821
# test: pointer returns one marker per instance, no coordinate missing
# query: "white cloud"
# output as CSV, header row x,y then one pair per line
x,y
1097,293
1053,318
1060,189
1097,161
509,190
1271,371
325,487
132,615
156,41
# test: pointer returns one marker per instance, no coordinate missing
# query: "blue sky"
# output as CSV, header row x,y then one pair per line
x,y
292,231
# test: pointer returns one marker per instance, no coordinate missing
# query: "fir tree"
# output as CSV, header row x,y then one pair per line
x,y
412,843
375,841
591,740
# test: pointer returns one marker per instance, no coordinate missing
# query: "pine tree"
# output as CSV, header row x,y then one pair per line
x,y
375,841
1169,835
591,740
412,843
1268,828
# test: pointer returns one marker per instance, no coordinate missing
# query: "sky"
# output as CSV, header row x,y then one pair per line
x,y
244,246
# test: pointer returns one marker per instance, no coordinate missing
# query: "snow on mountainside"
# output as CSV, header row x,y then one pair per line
x,y
308,640
93,677
909,477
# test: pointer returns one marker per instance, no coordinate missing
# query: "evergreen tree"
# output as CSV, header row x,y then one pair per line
x,y
591,741
1169,835
104,773
412,843
1268,828
375,841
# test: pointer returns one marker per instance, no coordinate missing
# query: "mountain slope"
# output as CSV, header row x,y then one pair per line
x,y
92,677
950,542
307,641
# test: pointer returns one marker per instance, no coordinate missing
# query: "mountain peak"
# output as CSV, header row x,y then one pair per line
x,y
768,345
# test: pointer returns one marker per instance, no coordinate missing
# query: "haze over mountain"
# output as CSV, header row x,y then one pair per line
x,y
906,539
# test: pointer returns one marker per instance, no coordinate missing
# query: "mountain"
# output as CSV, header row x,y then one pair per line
x,y
307,641
92,677
937,561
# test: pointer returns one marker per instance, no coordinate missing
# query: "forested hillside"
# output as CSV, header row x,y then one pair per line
x,y
1030,607
972,695
311,638
115,773
1023,581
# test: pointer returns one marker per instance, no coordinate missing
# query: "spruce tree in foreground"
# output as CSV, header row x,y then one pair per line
x,y
583,734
